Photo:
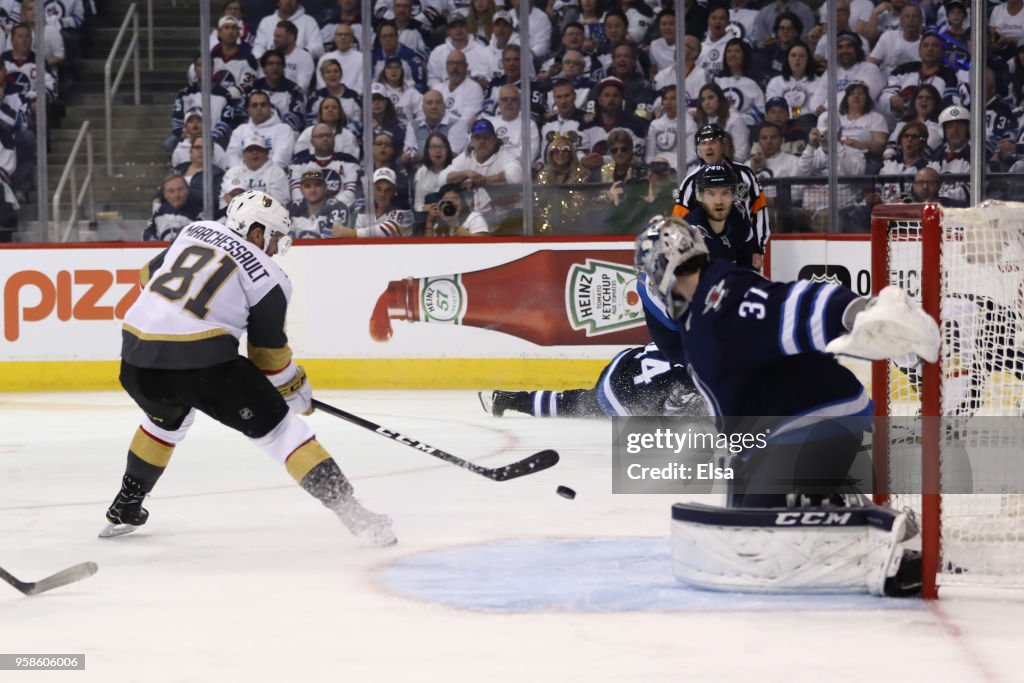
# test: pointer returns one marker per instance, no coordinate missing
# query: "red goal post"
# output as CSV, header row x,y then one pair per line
x,y
966,267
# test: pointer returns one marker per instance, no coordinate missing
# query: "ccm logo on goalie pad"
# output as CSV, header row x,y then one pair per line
x,y
819,518
419,445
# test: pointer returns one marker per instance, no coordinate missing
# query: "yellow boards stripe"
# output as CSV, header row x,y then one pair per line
x,y
340,373
156,453
304,458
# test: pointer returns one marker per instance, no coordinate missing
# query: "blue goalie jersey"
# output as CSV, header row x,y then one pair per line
x,y
757,348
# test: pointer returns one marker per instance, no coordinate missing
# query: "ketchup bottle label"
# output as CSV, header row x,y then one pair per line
x,y
443,299
601,297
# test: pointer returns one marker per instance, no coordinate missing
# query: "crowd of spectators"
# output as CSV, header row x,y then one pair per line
x,y
61,46
603,125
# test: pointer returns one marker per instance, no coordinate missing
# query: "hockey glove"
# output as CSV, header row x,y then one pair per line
x,y
891,325
297,392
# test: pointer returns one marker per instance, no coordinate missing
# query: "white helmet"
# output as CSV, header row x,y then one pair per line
x,y
666,243
953,113
257,207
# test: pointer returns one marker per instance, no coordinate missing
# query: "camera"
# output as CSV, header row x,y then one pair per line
x,y
431,198
660,167
447,208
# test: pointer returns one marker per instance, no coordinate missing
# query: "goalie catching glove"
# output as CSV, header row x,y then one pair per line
x,y
295,389
891,325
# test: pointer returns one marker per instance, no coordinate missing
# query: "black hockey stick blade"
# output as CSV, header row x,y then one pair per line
x,y
541,460
61,578
535,463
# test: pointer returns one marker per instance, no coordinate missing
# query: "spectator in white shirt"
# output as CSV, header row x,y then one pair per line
x,y
351,59
289,10
885,16
663,48
715,108
1006,27
298,63
899,47
463,97
696,77
508,124
476,53
854,68
713,47
769,161
540,28
798,84
483,165
744,94
663,134
255,171
279,136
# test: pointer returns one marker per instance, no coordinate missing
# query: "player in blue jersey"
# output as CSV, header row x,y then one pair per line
x,y
727,232
639,381
759,352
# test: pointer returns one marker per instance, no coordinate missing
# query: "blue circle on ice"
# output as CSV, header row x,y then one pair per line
x,y
581,575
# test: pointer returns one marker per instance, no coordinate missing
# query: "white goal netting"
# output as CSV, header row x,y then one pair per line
x,y
979,272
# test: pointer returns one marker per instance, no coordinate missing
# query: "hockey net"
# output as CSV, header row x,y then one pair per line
x,y
962,469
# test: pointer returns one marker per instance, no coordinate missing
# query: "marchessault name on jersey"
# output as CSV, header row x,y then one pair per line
x,y
235,248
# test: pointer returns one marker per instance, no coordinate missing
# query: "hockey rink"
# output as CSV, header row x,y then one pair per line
x,y
240,576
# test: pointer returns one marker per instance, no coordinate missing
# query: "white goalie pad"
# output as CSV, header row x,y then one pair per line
x,y
892,325
788,550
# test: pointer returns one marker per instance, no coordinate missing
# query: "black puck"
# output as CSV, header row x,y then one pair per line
x,y
565,492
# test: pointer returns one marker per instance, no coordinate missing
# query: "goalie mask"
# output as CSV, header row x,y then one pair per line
x,y
255,207
664,245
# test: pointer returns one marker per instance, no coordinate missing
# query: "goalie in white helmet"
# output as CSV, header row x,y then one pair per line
x,y
760,353
179,355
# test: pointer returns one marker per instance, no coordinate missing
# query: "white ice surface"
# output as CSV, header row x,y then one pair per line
x,y
239,576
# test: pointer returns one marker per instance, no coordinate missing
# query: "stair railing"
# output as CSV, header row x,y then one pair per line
x,y
149,29
131,55
76,194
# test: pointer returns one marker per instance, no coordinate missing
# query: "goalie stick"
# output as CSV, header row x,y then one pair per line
x,y
61,578
541,460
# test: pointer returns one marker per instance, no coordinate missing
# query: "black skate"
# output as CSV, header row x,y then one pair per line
x,y
497,402
907,581
126,513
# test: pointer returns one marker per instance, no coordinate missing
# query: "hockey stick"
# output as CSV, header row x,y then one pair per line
x,y
541,460
62,578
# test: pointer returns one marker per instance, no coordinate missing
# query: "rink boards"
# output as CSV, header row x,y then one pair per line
x,y
63,307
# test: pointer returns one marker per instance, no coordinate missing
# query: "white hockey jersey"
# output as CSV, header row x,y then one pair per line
x,y
199,295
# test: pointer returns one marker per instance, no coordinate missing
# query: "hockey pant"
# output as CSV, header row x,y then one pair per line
x,y
234,393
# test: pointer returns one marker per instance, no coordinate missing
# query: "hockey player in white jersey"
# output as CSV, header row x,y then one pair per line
x,y
179,354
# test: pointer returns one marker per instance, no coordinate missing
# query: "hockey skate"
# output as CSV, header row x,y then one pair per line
x,y
126,513
365,524
497,402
